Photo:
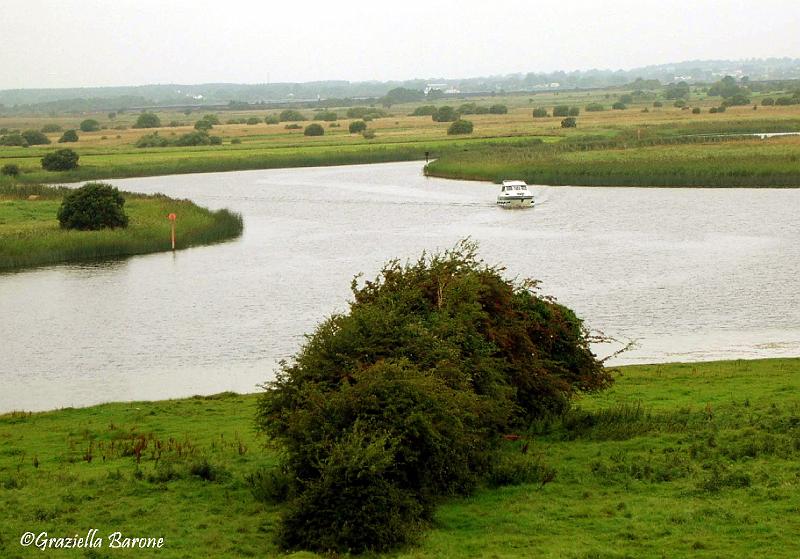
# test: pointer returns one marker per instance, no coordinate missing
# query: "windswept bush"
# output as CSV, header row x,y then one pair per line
x,y
405,397
314,129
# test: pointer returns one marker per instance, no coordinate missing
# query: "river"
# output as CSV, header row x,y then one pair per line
x,y
691,274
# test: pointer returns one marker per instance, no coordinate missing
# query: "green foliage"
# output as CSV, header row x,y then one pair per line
x,y
736,100
728,88
147,120
403,398
424,110
696,111
50,128
236,141
13,139
327,116
212,118
768,101
361,112
35,138
215,140
60,160
89,125
626,98
402,95
293,126
569,122
291,115
539,112
272,119
10,170
594,107
203,125
574,111
445,113
368,134
657,104
253,120
153,140
561,110
357,126
314,129
678,90
68,136
93,206
498,109
460,127
467,109
198,138
619,106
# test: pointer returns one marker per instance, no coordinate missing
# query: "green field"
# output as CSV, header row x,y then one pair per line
x,y
30,234
499,147
678,460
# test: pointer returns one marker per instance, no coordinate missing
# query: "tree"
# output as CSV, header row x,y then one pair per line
x,y
460,127
203,125
498,109
424,110
68,136
10,170
35,138
95,205
619,106
768,101
404,398
402,95
445,113
291,115
357,126
327,116
212,118
539,112
314,129
89,125
147,120
569,122
561,110
60,160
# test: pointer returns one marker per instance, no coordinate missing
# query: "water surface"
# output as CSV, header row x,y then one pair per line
x,y
692,274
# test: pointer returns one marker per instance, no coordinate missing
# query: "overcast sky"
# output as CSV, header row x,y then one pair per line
x,y
69,43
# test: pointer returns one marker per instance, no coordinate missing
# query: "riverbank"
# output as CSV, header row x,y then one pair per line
x,y
689,162
30,234
691,460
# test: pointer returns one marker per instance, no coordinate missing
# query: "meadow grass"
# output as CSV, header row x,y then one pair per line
x,y
676,460
30,234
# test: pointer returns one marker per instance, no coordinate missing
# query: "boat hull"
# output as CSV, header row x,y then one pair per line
x,y
515,202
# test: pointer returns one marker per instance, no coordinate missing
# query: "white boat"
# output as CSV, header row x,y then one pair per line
x,y
515,194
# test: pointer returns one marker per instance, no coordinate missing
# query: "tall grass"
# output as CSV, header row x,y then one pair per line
x,y
30,234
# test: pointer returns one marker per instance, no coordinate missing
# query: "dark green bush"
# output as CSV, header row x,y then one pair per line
x,y
153,140
60,160
481,110
293,126
460,127
236,141
327,116
445,114
561,110
50,128
253,120
35,138
657,104
215,140
10,170
539,112
569,122
626,98
680,103
357,126
314,129
467,109
368,134
696,111
203,125
93,206
594,107
89,125
68,136
212,118
404,398
147,120
619,106
768,101
498,109
199,138
272,119
291,115
574,111
13,139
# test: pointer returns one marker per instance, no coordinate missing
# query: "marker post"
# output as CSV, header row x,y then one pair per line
x,y
172,218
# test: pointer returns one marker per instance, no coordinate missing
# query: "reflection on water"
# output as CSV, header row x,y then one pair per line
x,y
691,274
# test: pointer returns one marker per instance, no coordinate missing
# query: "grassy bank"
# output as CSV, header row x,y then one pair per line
x,y
709,162
680,460
30,234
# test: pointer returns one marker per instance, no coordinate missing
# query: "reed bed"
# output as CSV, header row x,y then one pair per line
x,y
30,234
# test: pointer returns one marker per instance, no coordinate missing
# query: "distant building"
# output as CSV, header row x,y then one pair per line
x,y
432,86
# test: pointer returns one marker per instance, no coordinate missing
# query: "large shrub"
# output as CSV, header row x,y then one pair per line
x,y
314,130
561,110
405,397
357,126
68,136
424,110
147,120
9,170
93,206
460,127
498,109
594,107
50,128
60,160
13,139
327,116
539,112
291,115
445,113
89,125
569,122
35,138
